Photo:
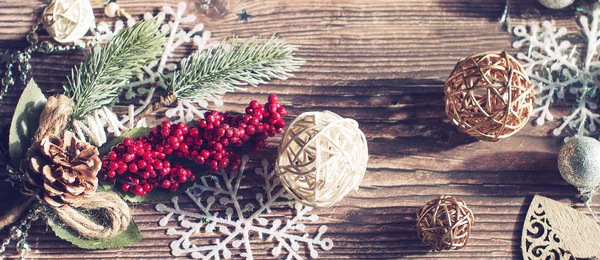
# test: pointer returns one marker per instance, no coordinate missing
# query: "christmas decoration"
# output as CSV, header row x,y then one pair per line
x,y
561,72
556,4
241,225
141,164
65,169
553,230
321,158
489,96
579,165
68,20
244,16
58,171
445,223
253,62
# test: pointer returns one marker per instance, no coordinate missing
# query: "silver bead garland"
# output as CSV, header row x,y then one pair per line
x,y
20,59
19,233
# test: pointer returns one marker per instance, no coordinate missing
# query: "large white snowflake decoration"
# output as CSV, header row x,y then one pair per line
x,y
561,72
240,224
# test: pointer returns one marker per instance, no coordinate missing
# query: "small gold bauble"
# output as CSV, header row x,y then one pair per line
x,y
489,96
445,223
68,20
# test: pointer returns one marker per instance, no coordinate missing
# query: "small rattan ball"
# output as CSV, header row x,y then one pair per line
x,y
321,158
489,96
68,20
445,223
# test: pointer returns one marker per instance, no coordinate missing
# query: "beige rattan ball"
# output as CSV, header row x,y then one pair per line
x,y
489,96
68,20
445,223
321,158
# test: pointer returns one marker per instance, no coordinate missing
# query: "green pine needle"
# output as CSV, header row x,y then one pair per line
x,y
97,81
222,69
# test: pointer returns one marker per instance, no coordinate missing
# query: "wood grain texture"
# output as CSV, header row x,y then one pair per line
x,y
383,63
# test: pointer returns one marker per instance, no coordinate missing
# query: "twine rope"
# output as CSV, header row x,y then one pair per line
x,y
53,121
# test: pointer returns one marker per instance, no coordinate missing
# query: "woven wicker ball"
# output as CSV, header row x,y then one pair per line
x,y
445,223
68,20
321,158
489,96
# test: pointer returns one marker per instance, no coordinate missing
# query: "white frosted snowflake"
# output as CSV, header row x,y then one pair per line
x,y
561,72
239,225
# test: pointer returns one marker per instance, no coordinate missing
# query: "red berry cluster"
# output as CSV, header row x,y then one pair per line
x,y
141,164
141,167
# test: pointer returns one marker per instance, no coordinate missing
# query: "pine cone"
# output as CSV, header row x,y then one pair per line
x,y
64,171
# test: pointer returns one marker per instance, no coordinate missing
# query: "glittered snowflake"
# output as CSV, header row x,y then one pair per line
x,y
565,69
220,210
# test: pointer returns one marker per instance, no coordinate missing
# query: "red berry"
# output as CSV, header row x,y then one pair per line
x,y
128,157
147,187
194,132
212,164
166,165
122,168
112,156
133,167
127,141
205,154
254,104
132,149
250,129
137,189
182,179
146,175
125,187
218,156
142,164
113,165
111,174
165,184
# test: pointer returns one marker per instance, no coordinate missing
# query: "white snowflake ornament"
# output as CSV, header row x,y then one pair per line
x,y
561,72
241,222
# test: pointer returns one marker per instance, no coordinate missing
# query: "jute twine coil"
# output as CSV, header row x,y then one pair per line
x,y
489,96
321,158
115,213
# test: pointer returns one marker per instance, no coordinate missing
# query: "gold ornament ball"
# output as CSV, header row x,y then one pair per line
x,y
489,96
322,157
445,223
68,20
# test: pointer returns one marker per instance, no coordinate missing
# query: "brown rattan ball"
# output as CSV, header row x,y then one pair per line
x,y
489,96
445,223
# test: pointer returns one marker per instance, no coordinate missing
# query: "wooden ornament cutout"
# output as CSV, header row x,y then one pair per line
x,y
553,230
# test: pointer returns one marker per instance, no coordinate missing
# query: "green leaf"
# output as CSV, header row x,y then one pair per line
x,y
133,133
158,194
127,237
25,121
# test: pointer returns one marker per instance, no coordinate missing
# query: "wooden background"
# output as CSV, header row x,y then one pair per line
x,y
383,63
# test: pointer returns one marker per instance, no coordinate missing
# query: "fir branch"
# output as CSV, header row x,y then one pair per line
x,y
225,68
97,80
219,70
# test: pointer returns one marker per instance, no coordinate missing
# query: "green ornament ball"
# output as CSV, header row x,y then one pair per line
x,y
579,162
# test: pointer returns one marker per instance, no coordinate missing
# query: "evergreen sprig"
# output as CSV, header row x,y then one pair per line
x,y
97,80
227,67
